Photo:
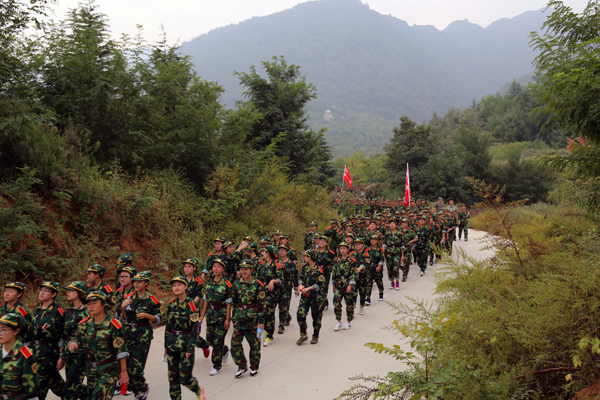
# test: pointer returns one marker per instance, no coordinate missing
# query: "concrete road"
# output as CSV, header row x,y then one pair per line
x,y
320,371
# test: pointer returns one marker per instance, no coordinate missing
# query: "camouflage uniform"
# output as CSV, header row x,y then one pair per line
x,y
344,274
23,311
406,236
249,309
217,296
194,290
374,258
290,281
102,287
18,369
325,260
422,245
266,273
74,362
120,297
212,257
393,254
103,345
47,344
451,228
463,224
123,261
361,277
315,277
181,333
309,238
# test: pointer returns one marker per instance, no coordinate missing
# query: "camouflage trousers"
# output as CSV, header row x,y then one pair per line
x,y
285,298
75,372
101,381
138,355
215,335
316,311
325,288
272,300
421,254
50,379
339,294
361,288
464,226
438,247
393,265
373,275
405,266
237,349
180,373
449,244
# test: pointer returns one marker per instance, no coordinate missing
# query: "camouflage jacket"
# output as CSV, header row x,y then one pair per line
x,y
405,237
334,235
344,272
47,342
374,257
73,316
120,296
290,274
181,329
249,303
101,342
462,217
424,235
309,240
103,287
18,371
312,276
147,304
22,310
194,288
293,255
210,261
393,241
325,259
217,295
268,272
361,260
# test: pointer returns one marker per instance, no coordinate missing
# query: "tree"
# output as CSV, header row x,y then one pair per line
x,y
282,98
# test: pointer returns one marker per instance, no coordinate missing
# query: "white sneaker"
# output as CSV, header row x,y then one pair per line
x,y
347,326
225,358
117,392
142,396
422,273
392,286
240,372
267,342
214,371
362,311
253,372
338,326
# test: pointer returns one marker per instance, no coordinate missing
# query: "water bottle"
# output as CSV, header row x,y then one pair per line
x,y
259,333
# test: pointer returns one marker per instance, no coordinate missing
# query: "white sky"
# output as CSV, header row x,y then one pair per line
x,y
186,19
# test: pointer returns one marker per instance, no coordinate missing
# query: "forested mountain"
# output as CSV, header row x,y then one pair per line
x,y
369,68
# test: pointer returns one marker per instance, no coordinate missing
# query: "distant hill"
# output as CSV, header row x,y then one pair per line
x,y
369,68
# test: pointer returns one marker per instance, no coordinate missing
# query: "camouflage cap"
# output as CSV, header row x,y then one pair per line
x,y
375,236
312,254
179,279
324,237
283,246
246,264
219,261
124,259
265,239
228,243
404,220
270,249
343,220
220,239
277,232
285,236
96,295
252,247
359,240
314,223
248,238
344,244
12,319
131,270
349,234
78,286
51,285
143,276
97,268
191,261
332,220
17,285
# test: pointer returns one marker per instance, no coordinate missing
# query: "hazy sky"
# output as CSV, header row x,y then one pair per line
x,y
185,19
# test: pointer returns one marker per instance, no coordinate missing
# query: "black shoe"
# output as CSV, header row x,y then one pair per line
x,y
253,372
403,279
287,323
380,297
280,330
240,372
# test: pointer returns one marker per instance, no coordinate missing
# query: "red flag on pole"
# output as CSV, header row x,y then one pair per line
x,y
407,189
347,177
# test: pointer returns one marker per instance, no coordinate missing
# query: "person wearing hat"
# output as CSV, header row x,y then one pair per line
x,y
276,236
253,255
217,311
232,260
361,273
140,310
333,232
195,284
215,255
248,239
344,281
47,327
422,243
249,310
102,340
74,362
310,282
463,222
290,281
309,242
13,295
293,256
439,231
18,366
95,273
126,288
181,316
349,240
271,274
123,261
325,258
393,253
375,259
406,236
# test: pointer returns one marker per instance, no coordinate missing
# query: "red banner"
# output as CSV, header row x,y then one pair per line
x,y
347,177
407,189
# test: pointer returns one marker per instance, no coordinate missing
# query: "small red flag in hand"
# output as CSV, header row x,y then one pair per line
x,y
347,177
123,388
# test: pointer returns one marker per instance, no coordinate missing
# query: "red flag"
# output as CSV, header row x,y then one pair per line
x,y
347,177
407,189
